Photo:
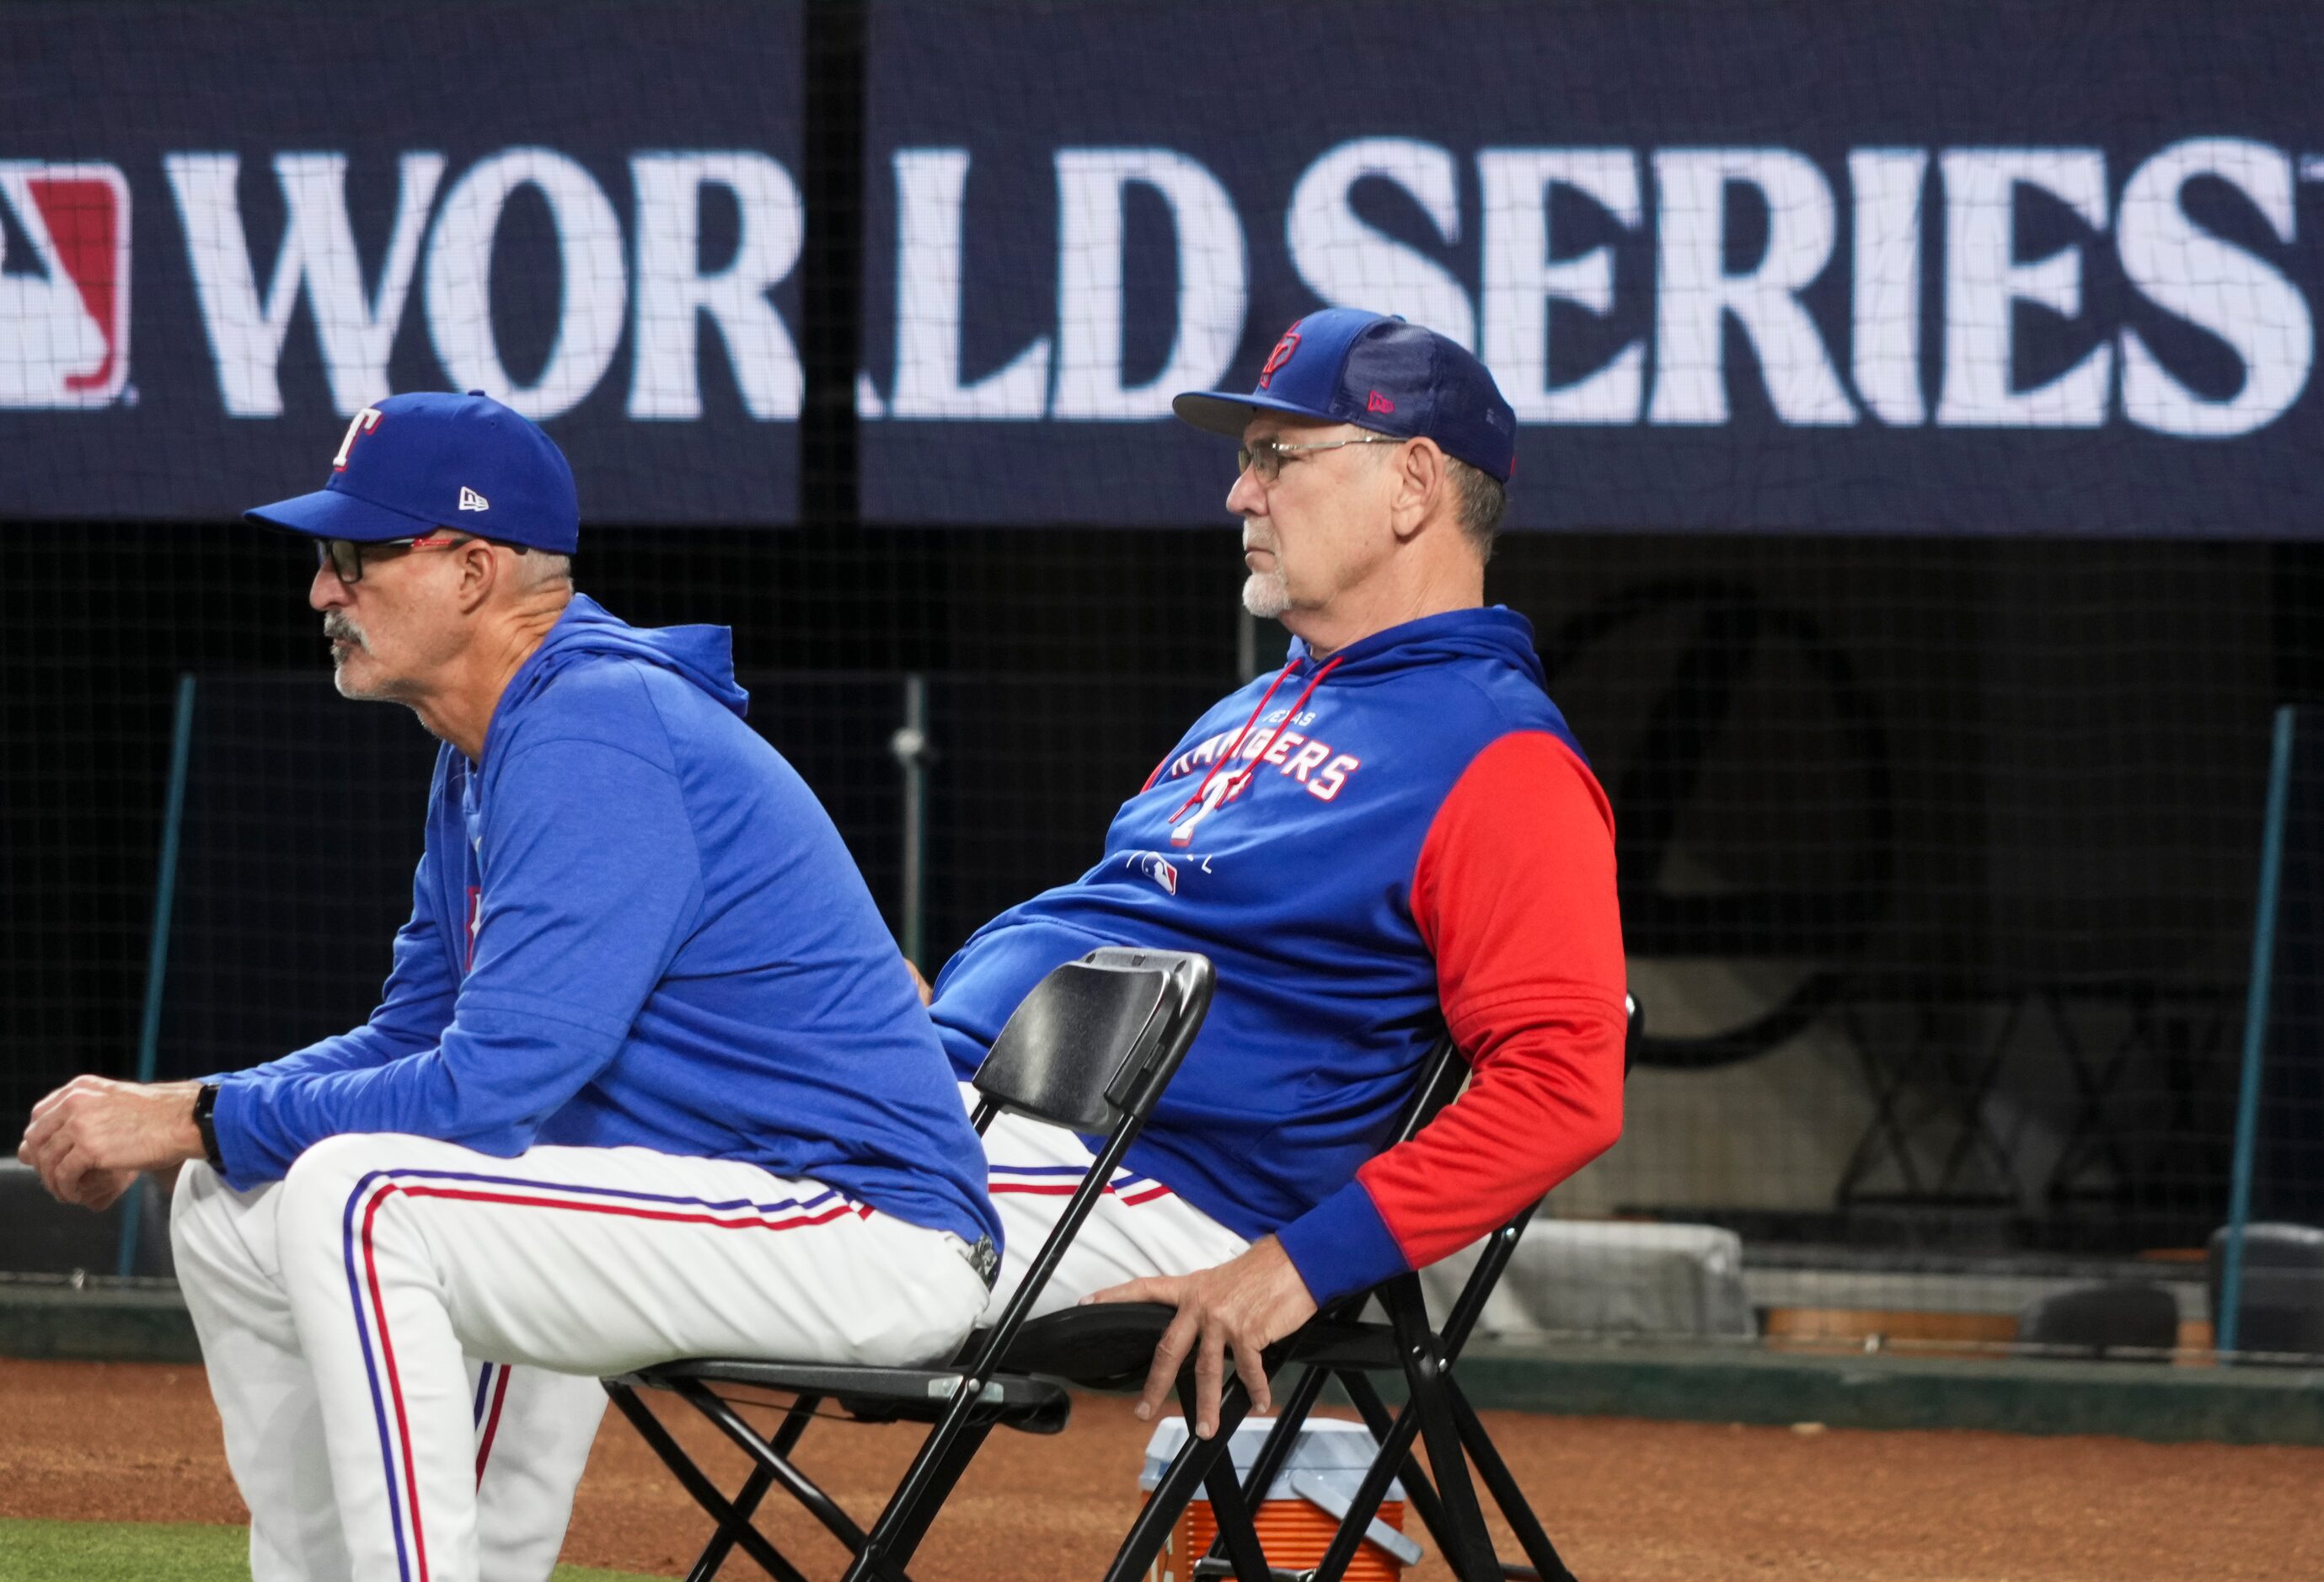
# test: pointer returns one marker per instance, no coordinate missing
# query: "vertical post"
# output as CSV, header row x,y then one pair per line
x,y
835,42
1246,645
910,746
157,945
2256,1000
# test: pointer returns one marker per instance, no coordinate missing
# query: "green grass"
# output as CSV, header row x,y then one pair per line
x,y
139,1551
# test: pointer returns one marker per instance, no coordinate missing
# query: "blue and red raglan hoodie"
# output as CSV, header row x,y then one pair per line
x,y
634,925
1400,838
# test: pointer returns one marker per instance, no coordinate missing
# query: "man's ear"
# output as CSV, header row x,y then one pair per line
x,y
1420,482
480,572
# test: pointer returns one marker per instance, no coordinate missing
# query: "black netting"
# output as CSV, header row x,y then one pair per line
x,y
1910,506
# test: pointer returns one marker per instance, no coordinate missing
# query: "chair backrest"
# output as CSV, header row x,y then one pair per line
x,y
1096,1035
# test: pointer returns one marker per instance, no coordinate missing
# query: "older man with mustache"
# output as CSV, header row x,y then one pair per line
x,y
647,1081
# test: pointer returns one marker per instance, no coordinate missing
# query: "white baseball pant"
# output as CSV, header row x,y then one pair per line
x,y
1139,1228
404,1337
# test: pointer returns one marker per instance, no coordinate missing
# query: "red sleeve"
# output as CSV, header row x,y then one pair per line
x,y
1513,895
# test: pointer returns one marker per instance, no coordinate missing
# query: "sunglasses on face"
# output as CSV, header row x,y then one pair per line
x,y
347,557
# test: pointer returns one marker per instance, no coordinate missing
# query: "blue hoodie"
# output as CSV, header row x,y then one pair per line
x,y
635,925
1366,847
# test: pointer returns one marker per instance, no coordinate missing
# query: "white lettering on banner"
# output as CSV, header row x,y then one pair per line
x,y
593,266
930,185
1888,183
1696,294
2231,282
2214,285
1350,264
1092,185
317,256
674,296
1983,280
1520,280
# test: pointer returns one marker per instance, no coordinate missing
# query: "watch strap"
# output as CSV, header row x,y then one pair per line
x,y
206,1123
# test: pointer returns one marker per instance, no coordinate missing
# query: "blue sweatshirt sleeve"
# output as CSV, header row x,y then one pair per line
x,y
591,881
413,1010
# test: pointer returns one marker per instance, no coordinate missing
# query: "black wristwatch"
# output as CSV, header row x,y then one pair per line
x,y
204,1104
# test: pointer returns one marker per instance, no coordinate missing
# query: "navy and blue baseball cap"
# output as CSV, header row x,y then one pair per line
x,y
416,462
1376,372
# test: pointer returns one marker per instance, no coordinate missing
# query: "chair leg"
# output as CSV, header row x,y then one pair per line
x,y
796,1483
1504,1488
714,1554
1419,1492
1187,1472
1472,1558
1237,1531
1289,1419
907,1543
705,1493
943,1456
746,1503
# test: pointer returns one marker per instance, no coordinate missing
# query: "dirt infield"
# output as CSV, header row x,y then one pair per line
x,y
1626,1501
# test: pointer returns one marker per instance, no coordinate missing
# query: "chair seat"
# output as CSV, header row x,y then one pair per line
x,y
874,1395
1108,1346
1339,1343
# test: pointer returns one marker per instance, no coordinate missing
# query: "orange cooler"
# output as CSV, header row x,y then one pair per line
x,y
1301,1513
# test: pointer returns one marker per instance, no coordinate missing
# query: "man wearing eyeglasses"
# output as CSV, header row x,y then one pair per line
x,y
647,1079
1394,835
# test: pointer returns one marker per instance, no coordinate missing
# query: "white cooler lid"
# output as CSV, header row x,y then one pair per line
x,y
1326,1444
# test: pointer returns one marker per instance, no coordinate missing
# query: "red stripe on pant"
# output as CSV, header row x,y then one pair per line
x,y
492,1423
387,1346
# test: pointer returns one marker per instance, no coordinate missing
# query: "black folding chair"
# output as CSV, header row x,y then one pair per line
x,y
1090,1049
1340,1344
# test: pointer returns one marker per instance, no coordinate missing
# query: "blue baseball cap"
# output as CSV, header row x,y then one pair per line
x,y
1376,372
416,462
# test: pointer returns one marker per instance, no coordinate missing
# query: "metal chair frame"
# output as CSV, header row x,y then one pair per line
x,y
1339,1345
1158,998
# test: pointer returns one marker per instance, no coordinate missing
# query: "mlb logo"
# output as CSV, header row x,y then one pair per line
x,y
64,284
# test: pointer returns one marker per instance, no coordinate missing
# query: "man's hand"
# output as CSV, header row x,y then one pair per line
x,y
1248,1303
927,995
90,1137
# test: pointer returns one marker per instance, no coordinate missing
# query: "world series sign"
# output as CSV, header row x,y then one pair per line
x,y
1923,267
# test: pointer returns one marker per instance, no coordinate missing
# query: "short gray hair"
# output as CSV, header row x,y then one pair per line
x,y
540,567
1482,499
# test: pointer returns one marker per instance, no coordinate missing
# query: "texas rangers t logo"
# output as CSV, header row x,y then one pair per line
x,y
1277,358
363,422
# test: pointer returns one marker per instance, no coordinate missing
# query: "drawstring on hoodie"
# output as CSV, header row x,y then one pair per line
x,y
1243,778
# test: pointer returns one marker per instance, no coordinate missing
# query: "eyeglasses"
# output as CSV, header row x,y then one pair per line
x,y
1264,458
345,556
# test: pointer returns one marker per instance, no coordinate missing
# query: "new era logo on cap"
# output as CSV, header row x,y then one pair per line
x,y
472,500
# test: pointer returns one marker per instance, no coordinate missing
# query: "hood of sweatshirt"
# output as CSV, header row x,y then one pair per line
x,y
703,655
1490,632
